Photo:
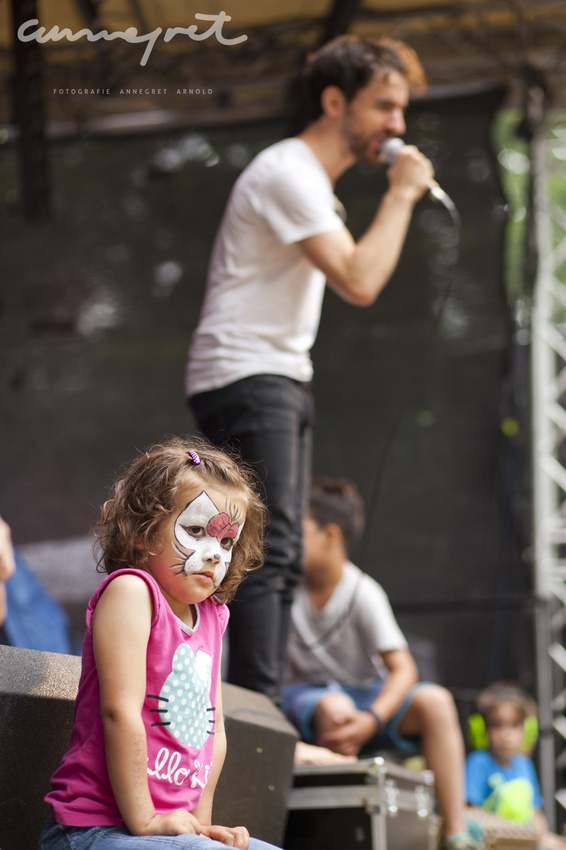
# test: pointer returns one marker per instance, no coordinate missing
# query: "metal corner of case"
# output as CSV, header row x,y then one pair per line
x,y
377,765
424,801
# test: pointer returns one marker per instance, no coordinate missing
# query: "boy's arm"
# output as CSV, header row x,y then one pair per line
x,y
237,836
540,823
547,840
121,625
403,674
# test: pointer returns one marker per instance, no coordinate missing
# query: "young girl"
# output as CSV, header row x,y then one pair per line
x,y
182,529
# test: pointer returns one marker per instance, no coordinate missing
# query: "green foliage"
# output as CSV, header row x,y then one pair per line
x,y
514,155
514,159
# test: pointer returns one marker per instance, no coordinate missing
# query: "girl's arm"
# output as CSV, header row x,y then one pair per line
x,y
239,835
203,809
121,625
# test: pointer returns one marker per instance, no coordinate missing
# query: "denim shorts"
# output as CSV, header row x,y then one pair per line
x,y
56,836
299,702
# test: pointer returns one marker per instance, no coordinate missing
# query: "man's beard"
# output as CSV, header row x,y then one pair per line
x,y
363,148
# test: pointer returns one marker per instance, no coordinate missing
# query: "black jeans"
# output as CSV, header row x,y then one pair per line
x,y
268,419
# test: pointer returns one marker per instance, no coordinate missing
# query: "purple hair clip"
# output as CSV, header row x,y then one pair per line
x,y
194,457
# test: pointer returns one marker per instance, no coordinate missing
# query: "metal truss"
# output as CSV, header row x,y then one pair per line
x,y
549,456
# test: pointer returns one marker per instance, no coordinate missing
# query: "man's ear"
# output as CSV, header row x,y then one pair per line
x,y
333,102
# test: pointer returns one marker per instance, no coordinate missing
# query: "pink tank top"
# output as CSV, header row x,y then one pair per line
x,y
178,715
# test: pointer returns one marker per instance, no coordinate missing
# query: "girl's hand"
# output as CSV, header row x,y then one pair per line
x,y
175,822
238,836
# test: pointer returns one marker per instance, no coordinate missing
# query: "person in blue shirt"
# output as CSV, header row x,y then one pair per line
x,y
501,777
7,565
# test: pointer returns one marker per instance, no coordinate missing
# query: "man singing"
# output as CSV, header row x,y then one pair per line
x,y
282,236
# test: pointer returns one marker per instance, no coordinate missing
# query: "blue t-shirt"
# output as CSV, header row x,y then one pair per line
x,y
510,791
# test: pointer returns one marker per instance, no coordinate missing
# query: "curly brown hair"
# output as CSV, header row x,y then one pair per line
x,y
146,494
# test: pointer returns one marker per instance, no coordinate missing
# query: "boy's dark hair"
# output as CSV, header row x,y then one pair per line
x,y
505,692
349,63
337,501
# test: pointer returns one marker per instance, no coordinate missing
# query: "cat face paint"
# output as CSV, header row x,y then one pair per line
x,y
204,538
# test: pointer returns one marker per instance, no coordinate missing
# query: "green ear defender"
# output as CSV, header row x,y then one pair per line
x,y
479,740
477,733
531,733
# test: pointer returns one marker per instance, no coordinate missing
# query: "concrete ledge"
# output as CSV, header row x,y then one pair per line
x,y
37,693
256,780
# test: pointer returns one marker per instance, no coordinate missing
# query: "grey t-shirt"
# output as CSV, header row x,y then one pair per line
x,y
343,642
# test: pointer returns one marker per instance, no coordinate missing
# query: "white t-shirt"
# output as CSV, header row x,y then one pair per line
x,y
264,297
343,642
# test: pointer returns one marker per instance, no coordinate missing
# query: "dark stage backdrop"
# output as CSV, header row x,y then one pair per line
x,y
97,309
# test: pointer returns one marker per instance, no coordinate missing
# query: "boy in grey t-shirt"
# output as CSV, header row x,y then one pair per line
x,y
352,684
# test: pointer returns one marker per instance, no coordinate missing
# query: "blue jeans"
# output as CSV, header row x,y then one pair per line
x,y
268,419
55,836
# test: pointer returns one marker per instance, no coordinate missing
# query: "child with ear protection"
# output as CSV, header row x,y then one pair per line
x,y
500,776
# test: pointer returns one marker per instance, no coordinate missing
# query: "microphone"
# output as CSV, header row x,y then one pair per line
x,y
389,151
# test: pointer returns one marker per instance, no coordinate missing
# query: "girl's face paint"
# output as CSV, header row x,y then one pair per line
x,y
204,538
195,545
